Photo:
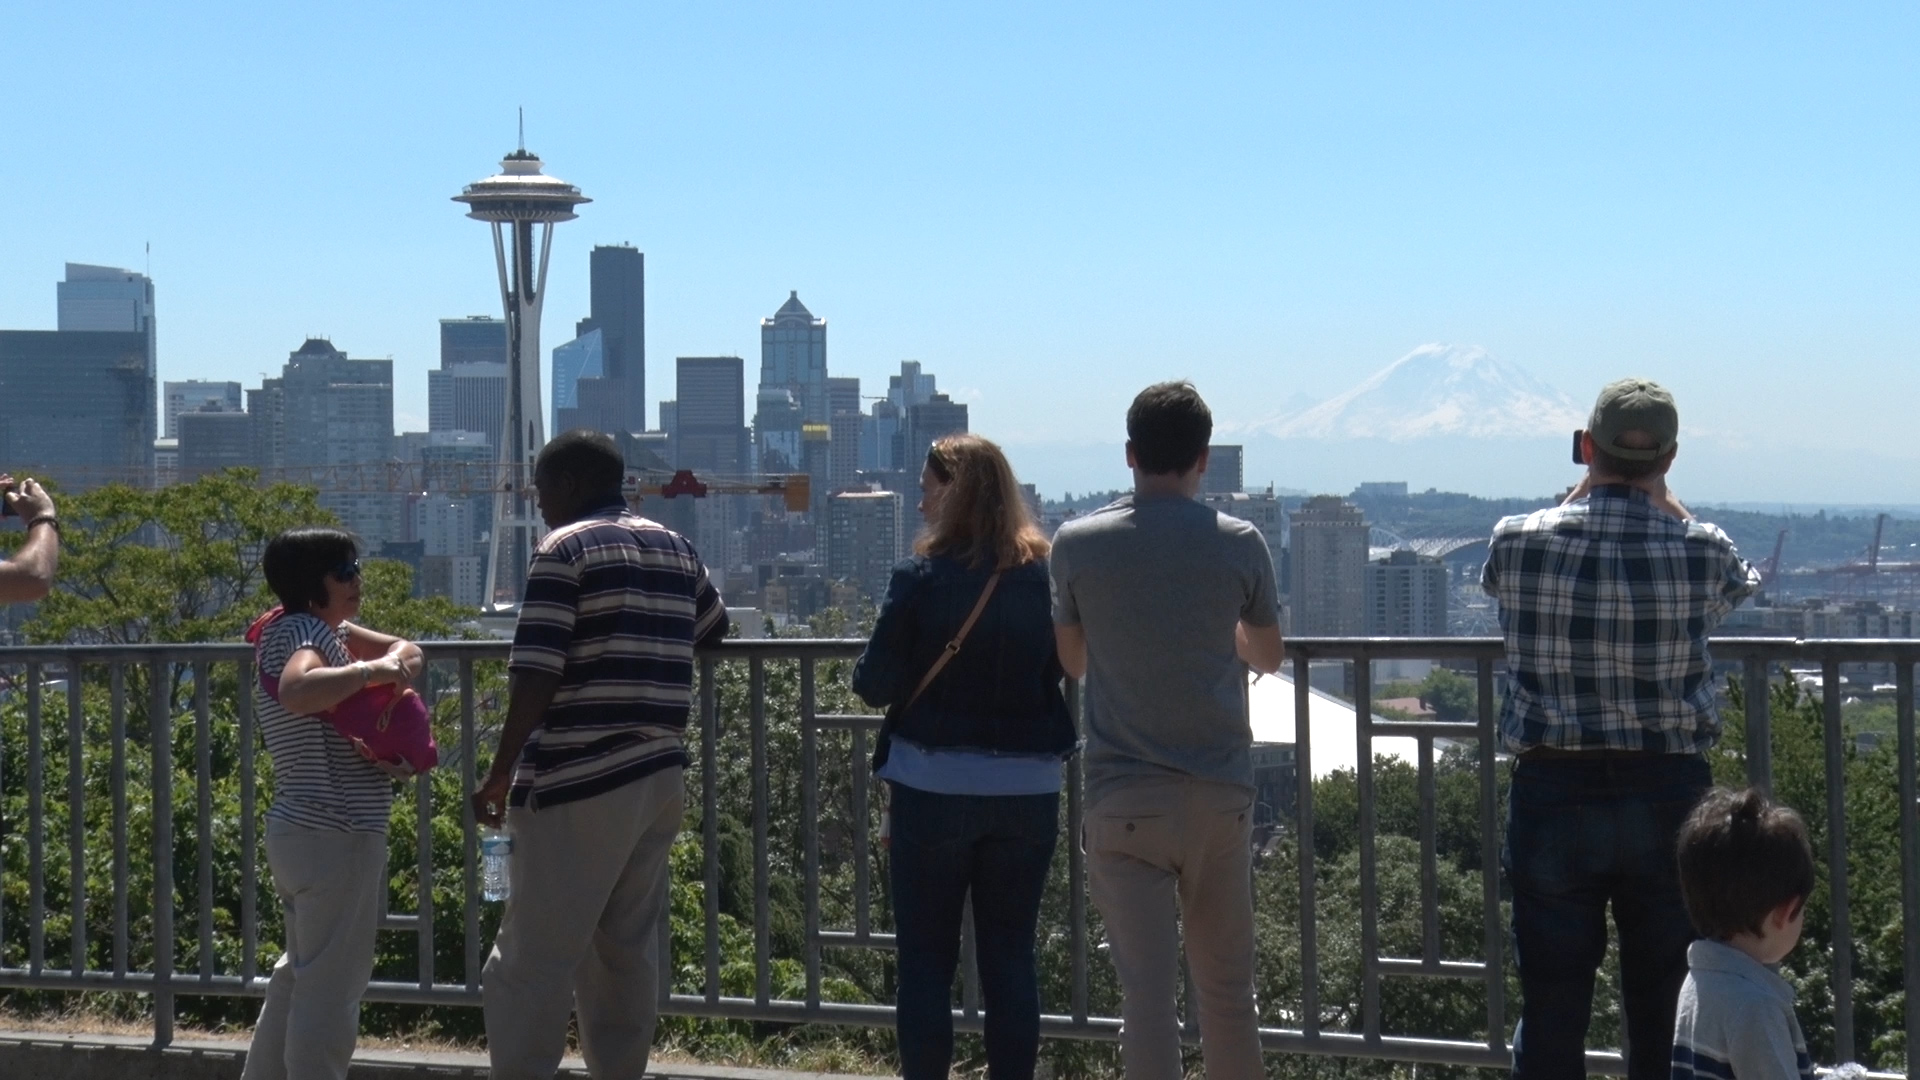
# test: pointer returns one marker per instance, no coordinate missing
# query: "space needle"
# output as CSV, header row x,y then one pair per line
x,y
515,201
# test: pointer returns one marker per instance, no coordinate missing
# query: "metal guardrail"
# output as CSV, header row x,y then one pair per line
x,y
190,671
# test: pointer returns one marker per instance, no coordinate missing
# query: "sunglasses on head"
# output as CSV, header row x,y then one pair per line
x,y
346,571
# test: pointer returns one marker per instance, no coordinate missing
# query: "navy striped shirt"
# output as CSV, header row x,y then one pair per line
x,y
614,606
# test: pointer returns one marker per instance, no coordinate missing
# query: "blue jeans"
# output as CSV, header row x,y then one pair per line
x,y
999,847
1581,834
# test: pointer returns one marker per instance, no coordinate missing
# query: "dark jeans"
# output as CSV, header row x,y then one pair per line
x,y
999,846
1581,834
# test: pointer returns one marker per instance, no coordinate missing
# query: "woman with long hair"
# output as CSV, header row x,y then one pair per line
x,y
977,730
327,827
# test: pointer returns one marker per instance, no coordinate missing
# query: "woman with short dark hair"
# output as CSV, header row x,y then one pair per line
x,y
972,752
327,827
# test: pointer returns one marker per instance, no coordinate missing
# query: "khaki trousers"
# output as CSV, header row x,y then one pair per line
x,y
331,885
581,933
1149,842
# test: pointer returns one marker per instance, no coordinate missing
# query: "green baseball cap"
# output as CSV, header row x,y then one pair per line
x,y
1634,405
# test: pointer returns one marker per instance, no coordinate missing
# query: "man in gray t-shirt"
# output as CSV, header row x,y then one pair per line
x,y
1163,604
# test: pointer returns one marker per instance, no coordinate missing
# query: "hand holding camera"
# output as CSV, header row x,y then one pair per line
x,y
25,499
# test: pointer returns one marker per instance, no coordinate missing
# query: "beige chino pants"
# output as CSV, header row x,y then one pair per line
x,y
331,886
1149,843
581,933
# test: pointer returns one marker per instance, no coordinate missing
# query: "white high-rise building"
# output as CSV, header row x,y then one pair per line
x,y
1406,596
1329,561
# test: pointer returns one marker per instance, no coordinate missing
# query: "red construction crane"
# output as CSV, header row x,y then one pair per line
x,y
1772,570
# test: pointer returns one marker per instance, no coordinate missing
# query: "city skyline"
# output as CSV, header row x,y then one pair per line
x,y
1273,202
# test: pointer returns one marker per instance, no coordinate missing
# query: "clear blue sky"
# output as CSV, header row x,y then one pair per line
x,y
1049,204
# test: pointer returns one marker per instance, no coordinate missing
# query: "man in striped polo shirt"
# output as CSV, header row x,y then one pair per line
x,y
588,772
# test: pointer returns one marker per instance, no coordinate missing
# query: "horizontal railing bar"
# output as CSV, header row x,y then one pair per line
x,y
847,939
1421,729
1444,969
846,722
1844,650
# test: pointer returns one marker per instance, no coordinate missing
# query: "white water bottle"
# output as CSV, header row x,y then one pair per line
x,y
496,848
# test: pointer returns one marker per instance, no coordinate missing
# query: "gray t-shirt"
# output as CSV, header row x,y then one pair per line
x,y
1158,584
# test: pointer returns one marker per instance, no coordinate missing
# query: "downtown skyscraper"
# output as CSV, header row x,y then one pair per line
x,y
469,391
605,378
327,409
83,398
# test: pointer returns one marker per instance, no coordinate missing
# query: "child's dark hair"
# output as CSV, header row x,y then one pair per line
x,y
1168,428
1742,856
297,562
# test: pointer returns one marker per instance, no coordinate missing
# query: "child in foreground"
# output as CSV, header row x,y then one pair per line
x,y
1746,870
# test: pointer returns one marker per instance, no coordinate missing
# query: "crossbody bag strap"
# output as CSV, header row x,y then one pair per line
x,y
953,646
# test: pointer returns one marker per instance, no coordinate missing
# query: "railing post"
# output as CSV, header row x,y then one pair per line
x,y
249,834
203,817
1076,864
1909,859
1303,840
1369,822
1494,944
762,871
36,825
117,679
1836,759
160,723
1759,725
710,825
76,820
423,868
809,831
470,831
1429,854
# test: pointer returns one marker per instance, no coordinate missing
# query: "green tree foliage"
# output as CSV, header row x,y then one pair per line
x,y
180,564
1450,695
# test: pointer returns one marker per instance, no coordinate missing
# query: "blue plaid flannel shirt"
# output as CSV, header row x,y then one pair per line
x,y
1606,604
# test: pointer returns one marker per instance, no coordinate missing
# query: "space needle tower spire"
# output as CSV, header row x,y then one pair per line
x,y
519,202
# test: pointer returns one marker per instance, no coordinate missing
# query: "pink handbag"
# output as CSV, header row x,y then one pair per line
x,y
388,724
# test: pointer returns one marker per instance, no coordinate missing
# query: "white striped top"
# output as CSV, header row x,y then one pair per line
x,y
319,780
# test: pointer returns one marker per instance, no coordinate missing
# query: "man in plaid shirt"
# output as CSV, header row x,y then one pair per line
x,y
1606,602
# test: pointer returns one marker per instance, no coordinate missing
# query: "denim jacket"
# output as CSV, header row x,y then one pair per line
x,y
1000,693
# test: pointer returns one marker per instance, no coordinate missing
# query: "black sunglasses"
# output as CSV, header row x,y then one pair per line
x,y
346,571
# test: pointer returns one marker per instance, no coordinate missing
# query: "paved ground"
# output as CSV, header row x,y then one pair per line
x,y
45,1056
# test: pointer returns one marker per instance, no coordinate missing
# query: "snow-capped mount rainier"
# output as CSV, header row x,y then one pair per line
x,y
1459,391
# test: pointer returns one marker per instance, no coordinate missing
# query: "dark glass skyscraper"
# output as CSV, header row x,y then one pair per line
x,y
618,309
711,414
476,339
82,400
